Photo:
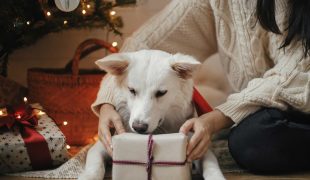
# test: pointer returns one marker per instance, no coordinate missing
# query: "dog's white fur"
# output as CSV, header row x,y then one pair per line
x,y
147,72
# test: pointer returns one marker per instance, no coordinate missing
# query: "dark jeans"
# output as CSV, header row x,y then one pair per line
x,y
272,141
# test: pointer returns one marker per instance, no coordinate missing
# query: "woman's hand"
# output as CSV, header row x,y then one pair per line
x,y
204,127
109,119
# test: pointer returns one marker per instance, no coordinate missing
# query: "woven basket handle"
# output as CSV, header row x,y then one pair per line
x,y
82,47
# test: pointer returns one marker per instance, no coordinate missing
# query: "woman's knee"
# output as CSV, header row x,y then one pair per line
x,y
249,141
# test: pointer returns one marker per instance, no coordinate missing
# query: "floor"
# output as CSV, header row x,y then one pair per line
x,y
229,176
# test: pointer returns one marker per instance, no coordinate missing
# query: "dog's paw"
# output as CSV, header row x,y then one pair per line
x,y
90,176
214,176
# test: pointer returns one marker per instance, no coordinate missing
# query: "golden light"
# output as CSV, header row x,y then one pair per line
x,y
114,44
84,11
65,123
28,22
3,112
88,6
112,13
68,147
41,113
48,13
96,138
25,99
65,22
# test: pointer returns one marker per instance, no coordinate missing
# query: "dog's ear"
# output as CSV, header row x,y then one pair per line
x,y
114,64
184,65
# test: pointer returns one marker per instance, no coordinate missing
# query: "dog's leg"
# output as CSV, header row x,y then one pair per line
x,y
94,166
211,168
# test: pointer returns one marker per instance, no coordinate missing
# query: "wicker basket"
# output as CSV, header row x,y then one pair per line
x,y
67,94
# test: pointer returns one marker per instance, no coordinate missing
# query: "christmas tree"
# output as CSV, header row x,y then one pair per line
x,y
23,22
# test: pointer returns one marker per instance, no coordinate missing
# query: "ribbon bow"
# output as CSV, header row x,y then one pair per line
x,y
20,117
25,120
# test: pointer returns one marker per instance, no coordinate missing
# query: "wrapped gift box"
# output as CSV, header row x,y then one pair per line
x,y
146,157
44,148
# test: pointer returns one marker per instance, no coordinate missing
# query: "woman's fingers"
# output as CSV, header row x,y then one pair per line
x,y
109,121
187,126
199,132
118,125
105,142
105,134
200,149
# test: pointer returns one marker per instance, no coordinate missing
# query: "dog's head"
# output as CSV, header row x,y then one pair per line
x,y
154,83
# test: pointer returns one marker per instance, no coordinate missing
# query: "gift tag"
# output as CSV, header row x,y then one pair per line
x,y
67,5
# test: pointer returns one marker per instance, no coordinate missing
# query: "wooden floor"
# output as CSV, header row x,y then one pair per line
x,y
229,176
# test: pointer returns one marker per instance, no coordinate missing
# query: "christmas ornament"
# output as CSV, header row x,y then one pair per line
x,y
67,5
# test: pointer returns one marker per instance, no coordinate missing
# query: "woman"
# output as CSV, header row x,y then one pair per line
x,y
264,48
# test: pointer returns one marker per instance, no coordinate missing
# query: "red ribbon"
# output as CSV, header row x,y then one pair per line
x,y
23,118
201,105
150,160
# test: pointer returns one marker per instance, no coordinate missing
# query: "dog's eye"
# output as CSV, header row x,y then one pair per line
x,y
132,91
160,93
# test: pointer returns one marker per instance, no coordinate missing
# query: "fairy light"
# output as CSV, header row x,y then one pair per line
x,y
3,112
41,113
28,23
88,6
25,99
114,44
48,13
112,13
65,123
84,11
68,146
96,138
18,116
65,22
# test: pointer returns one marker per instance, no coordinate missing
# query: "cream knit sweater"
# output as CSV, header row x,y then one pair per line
x,y
260,73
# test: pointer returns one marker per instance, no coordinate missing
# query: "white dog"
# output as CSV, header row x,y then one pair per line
x,y
153,95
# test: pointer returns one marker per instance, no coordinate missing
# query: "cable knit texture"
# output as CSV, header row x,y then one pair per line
x,y
260,73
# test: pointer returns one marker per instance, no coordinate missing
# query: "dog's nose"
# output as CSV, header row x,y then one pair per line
x,y
140,127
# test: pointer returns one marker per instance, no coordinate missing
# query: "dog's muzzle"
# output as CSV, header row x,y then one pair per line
x,y
140,127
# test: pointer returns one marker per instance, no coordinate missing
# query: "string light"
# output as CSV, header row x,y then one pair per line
x,y
25,99
65,123
88,6
114,44
68,146
65,22
84,11
112,13
18,116
3,112
96,138
48,13
41,113
28,22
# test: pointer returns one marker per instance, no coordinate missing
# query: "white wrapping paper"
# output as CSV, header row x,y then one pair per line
x,y
134,148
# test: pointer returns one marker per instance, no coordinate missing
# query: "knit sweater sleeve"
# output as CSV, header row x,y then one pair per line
x,y
185,26
285,85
